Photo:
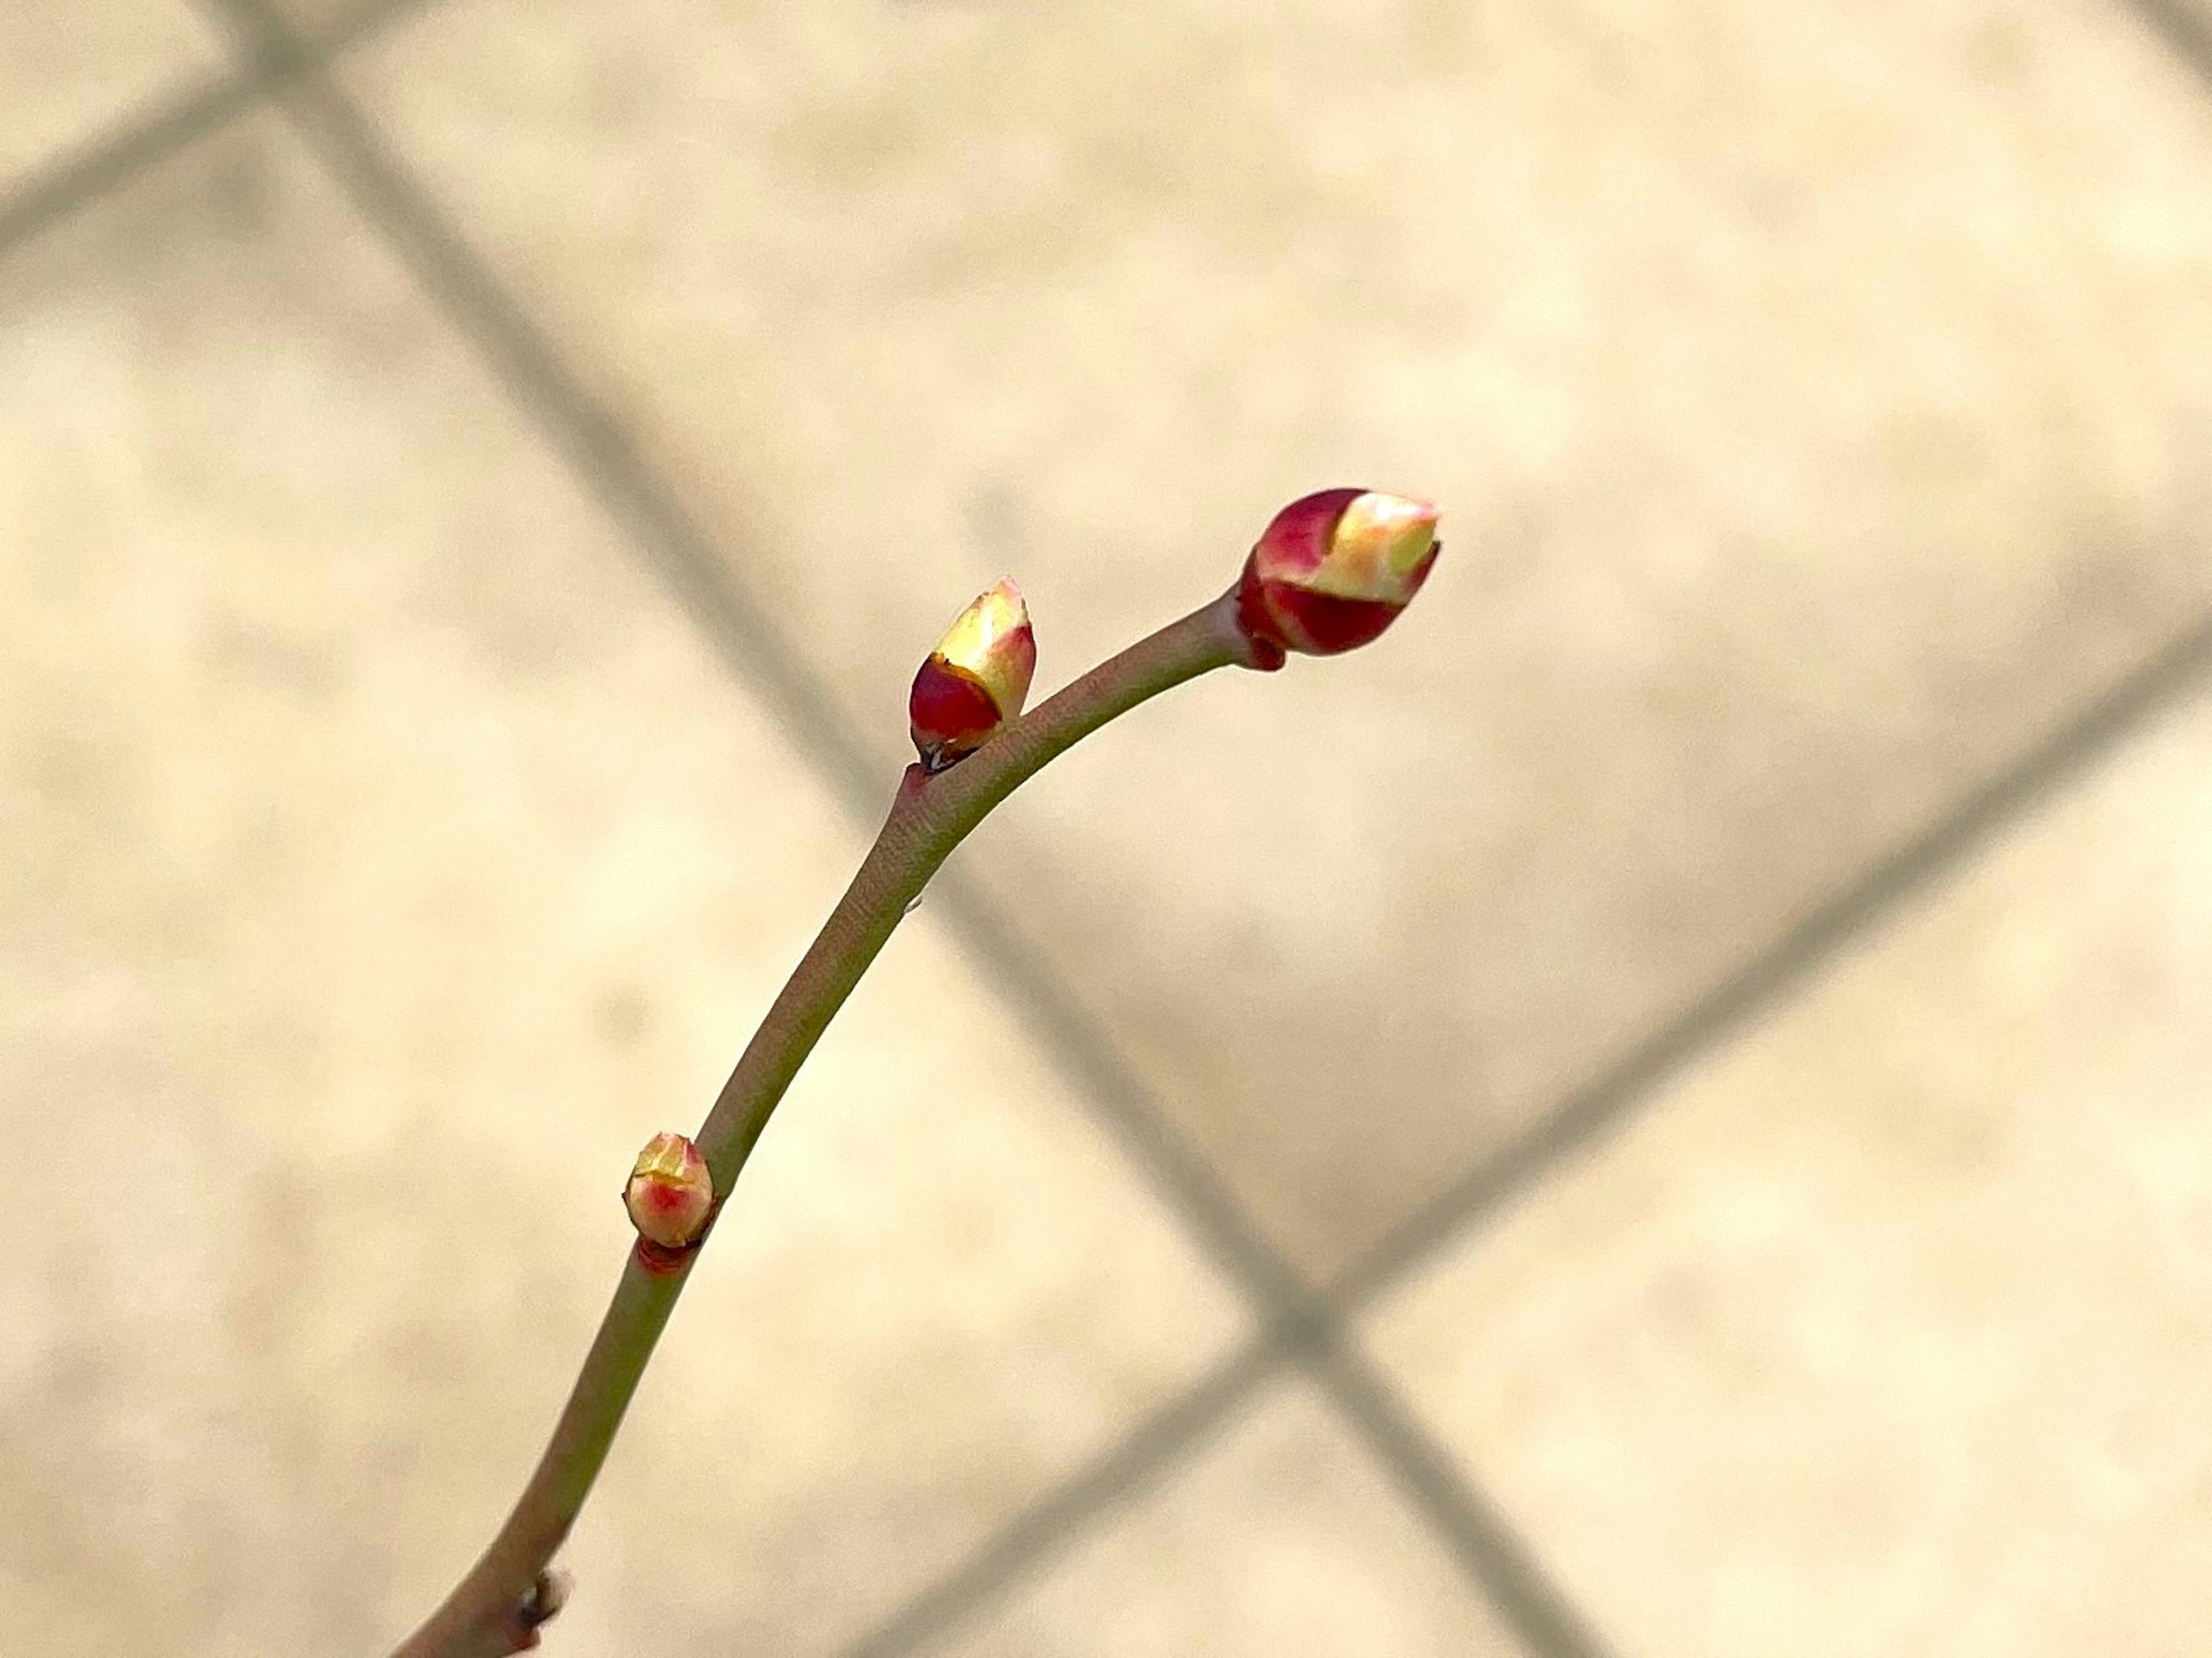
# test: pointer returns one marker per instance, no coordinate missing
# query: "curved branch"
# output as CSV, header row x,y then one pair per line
x,y
495,1609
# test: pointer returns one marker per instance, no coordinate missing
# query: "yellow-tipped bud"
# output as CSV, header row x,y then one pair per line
x,y
1333,570
670,1194
976,680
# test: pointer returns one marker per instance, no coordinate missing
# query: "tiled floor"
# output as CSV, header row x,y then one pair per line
x,y
1898,1309
468,521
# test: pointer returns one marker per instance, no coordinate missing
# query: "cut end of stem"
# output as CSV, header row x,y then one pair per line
x,y
541,1605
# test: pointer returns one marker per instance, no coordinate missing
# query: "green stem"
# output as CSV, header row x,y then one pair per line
x,y
495,1609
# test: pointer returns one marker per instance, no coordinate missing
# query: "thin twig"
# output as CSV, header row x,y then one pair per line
x,y
495,1609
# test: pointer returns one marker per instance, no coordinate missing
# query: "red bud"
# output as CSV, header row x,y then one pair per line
x,y
1334,569
976,680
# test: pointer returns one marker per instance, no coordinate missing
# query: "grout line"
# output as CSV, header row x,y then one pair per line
x,y
2182,28
1478,1540
1124,1473
1019,974
80,176
1603,1105
526,364
58,189
1487,1547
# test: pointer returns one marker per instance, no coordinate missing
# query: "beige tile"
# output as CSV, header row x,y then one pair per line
x,y
1283,1539
1887,1333
1816,394
382,859
71,72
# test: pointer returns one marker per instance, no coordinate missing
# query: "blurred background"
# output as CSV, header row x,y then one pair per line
x,y
1663,1110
